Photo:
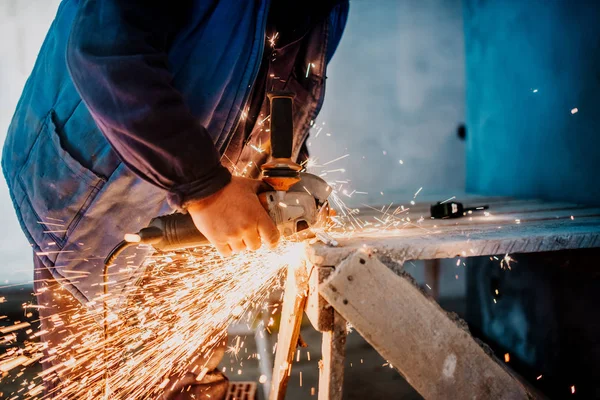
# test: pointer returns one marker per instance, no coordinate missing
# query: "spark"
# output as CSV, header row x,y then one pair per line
x,y
181,310
336,159
451,198
262,121
234,350
311,163
245,113
49,223
308,68
505,263
272,39
14,327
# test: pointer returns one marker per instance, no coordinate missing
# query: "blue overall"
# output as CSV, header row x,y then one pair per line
x,y
127,114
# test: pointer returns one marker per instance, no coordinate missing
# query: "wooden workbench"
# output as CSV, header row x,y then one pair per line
x,y
361,281
509,226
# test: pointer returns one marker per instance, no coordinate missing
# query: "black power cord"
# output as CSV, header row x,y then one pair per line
x,y
118,249
148,235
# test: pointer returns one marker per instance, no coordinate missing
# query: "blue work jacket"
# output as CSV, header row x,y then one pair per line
x,y
127,114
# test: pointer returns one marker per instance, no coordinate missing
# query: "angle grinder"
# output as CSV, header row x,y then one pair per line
x,y
294,200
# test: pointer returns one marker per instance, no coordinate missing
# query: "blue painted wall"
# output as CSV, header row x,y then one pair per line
x,y
528,64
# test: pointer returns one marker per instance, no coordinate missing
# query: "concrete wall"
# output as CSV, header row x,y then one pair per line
x,y
395,85
530,64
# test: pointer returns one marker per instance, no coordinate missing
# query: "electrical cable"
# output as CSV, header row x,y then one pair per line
x,y
118,249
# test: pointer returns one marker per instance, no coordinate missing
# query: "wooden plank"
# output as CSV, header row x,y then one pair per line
x,y
465,241
412,220
331,369
437,357
499,216
294,302
422,205
498,206
318,311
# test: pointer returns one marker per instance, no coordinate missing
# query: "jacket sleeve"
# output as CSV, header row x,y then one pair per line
x,y
117,58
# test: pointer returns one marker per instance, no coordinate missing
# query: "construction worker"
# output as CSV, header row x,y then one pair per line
x,y
137,108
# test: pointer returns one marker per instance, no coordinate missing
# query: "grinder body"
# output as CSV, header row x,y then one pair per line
x,y
292,214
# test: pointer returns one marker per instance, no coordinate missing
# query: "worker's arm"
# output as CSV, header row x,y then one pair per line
x,y
117,57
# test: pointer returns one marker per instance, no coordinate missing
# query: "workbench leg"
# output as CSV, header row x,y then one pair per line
x,y
331,369
432,277
294,302
263,349
435,353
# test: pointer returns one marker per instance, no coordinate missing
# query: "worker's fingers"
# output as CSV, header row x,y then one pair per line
x,y
252,240
237,245
224,249
269,233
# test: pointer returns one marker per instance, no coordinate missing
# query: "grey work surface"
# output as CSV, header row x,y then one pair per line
x,y
509,226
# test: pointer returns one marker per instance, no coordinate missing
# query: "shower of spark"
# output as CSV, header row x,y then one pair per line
x,y
180,311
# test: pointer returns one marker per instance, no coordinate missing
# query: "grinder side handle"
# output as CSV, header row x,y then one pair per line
x,y
178,232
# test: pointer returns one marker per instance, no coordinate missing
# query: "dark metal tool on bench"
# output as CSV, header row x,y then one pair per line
x,y
294,200
453,209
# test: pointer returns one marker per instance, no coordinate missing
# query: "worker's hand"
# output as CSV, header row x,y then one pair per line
x,y
233,219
